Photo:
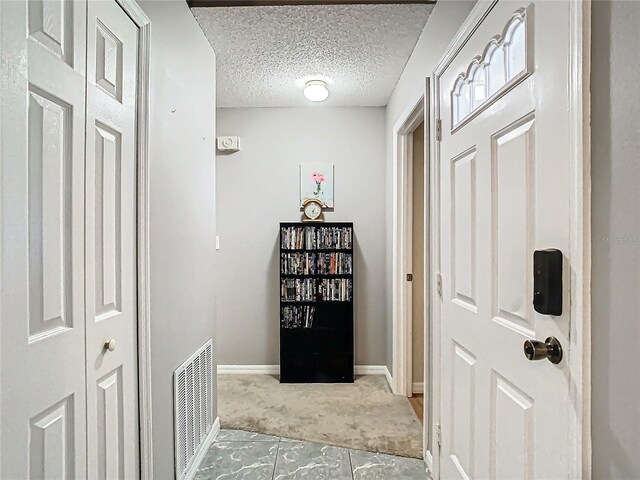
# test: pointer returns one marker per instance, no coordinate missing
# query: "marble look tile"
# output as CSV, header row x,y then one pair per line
x,y
312,461
239,461
228,435
377,466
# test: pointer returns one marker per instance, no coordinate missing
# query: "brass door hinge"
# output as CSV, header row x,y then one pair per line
x,y
438,130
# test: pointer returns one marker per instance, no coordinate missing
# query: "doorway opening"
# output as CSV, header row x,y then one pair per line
x,y
411,294
417,268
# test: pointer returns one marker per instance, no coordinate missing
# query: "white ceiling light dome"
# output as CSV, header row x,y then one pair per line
x,y
316,90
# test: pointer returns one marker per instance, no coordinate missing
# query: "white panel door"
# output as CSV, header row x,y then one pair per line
x,y
504,181
42,363
112,398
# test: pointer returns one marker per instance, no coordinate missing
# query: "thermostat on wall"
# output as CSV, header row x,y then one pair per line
x,y
228,144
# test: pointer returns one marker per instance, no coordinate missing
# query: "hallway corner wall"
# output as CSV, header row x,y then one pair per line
x,y
182,206
444,21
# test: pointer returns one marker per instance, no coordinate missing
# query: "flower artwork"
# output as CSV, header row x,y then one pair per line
x,y
316,181
319,179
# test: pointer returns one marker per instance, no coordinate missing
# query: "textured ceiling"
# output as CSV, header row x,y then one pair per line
x,y
265,54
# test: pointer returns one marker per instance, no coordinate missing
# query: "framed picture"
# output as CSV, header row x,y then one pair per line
x,y
316,181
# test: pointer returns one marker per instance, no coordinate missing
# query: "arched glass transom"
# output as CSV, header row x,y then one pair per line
x,y
504,62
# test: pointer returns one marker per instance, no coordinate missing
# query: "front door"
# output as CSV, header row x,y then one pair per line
x,y
505,192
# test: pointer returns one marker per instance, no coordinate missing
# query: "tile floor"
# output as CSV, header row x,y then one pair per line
x,y
239,455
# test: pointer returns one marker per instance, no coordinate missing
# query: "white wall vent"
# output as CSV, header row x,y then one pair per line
x,y
193,406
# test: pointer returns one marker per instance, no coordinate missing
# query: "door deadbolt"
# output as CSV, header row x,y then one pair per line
x,y
549,349
547,282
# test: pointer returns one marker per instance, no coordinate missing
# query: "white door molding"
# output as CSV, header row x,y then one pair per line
x,y
143,23
580,170
427,342
401,294
580,227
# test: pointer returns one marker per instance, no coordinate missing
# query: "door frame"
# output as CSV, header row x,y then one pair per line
x,y
401,295
580,226
142,21
417,111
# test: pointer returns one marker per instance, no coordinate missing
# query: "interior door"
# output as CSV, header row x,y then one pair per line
x,y
42,364
505,183
112,399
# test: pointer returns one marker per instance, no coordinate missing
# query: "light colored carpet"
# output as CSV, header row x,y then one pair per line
x,y
364,415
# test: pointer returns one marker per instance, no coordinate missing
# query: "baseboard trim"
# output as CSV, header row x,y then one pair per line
x,y
417,387
275,370
202,451
249,369
389,378
428,460
370,369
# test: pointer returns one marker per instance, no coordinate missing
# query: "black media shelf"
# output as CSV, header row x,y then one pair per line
x,y
316,309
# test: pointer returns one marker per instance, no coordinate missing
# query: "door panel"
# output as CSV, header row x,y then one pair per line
x,y
111,441
49,205
42,333
50,24
112,438
52,444
511,420
513,163
463,222
463,389
504,163
107,193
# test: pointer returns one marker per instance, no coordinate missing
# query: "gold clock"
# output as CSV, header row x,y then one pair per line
x,y
312,210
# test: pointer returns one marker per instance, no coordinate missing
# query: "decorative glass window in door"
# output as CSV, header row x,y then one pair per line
x,y
504,63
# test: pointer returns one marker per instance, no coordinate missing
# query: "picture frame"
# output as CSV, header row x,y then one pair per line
x,y
316,182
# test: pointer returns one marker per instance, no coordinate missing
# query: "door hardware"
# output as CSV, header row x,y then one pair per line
x,y
409,277
547,281
110,345
549,349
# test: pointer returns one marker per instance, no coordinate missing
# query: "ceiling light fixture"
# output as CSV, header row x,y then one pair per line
x,y
316,91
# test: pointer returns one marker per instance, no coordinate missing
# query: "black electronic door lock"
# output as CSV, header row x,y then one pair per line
x,y
547,281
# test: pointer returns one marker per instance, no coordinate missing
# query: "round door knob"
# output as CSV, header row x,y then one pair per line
x,y
550,349
110,345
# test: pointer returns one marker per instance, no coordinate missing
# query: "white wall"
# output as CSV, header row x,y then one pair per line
x,y
615,240
446,18
182,209
258,187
